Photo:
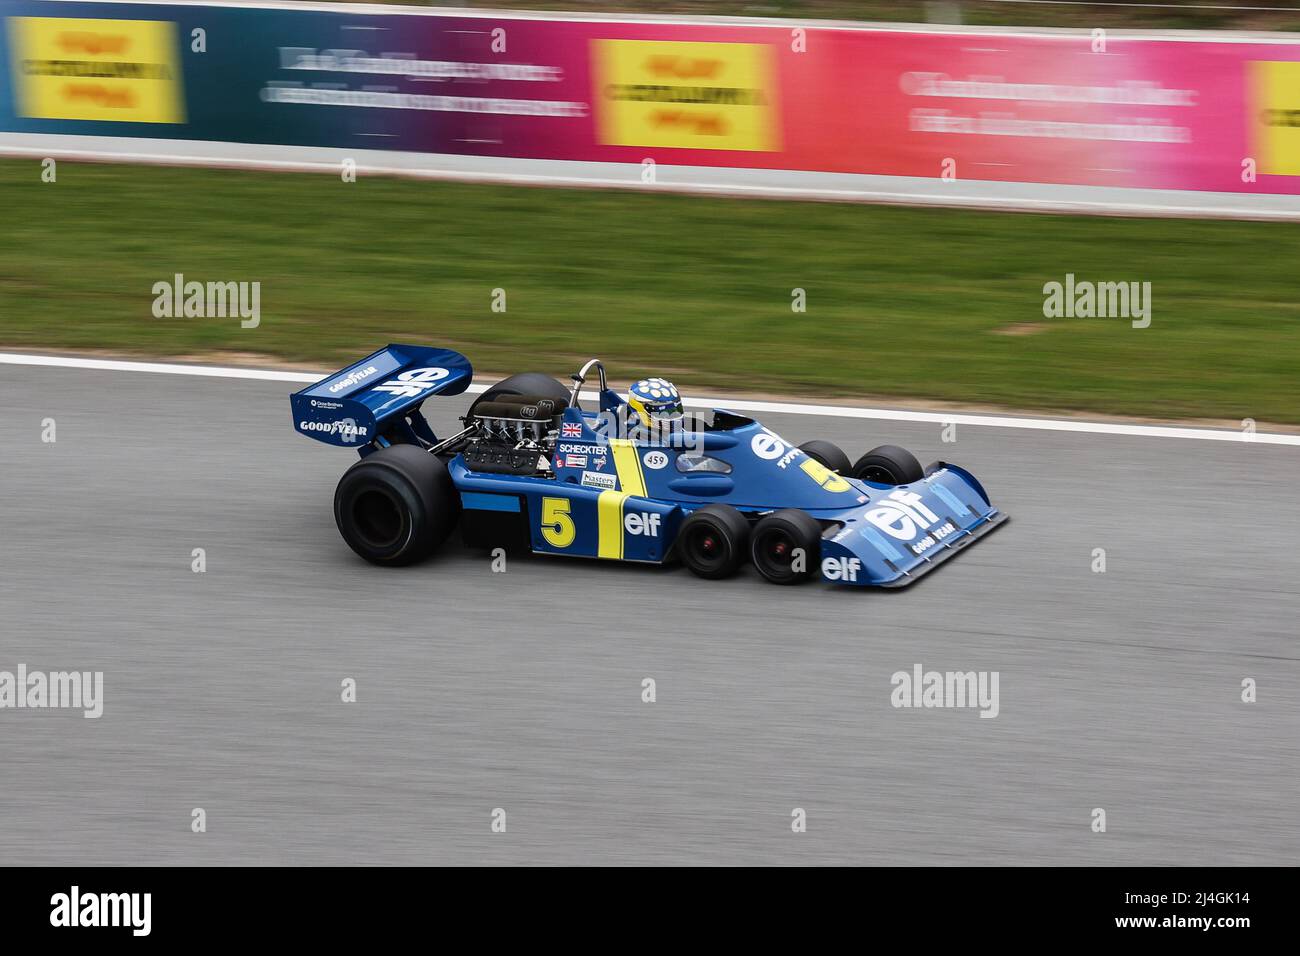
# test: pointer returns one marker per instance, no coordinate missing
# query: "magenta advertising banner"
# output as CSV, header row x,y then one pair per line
x,y
1181,112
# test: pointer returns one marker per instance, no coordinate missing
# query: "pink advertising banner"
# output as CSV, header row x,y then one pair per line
x,y
1182,112
1171,114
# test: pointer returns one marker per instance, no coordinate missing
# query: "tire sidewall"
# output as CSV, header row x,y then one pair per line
x,y
420,486
801,533
828,454
899,462
393,485
733,531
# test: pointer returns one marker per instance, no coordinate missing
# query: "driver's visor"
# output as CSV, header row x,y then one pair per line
x,y
664,410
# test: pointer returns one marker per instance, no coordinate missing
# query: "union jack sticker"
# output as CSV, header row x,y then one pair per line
x,y
570,430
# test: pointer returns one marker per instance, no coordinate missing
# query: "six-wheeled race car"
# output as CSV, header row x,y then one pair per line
x,y
635,479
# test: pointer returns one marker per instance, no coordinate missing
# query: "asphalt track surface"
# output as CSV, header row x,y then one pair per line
x,y
522,690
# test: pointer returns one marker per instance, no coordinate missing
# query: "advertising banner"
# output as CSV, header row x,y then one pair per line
x,y
1181,112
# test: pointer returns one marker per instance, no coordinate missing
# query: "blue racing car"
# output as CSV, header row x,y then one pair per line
x,y
635,479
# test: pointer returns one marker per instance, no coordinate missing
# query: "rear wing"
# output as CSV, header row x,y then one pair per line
x,y
350,407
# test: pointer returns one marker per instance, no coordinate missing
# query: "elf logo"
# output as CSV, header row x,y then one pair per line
x,y
75,908
841,569
901,515
414,383
641,522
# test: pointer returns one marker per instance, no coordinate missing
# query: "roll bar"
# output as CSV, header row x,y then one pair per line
x,y
581,376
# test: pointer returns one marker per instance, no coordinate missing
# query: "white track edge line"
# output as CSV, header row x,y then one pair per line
x,y
740,405
792,192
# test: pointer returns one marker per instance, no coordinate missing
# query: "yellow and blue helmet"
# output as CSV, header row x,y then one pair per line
x,y
655,400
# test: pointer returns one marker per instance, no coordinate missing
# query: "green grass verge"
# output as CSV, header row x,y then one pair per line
x,y
906,303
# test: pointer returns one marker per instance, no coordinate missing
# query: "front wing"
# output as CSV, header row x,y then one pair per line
x,y
902,534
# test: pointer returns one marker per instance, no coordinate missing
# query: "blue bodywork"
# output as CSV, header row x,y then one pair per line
x,y
625,498
348,407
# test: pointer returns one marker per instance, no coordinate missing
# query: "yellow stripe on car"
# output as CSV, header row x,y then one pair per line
x,y
628,464
609,514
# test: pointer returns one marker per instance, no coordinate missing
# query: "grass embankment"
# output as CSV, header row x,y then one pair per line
x,y
904,303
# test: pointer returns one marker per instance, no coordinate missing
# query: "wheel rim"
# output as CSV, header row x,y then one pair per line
x,y
377,518
707,547
878,474
774,553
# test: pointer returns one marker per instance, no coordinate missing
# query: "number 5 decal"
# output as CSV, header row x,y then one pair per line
x,y
824,476
557,524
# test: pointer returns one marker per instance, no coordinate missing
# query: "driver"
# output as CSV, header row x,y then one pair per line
x,y
656,407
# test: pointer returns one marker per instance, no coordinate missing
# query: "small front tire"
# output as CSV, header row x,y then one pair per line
x,y
828,453
713,541
786,546
888,465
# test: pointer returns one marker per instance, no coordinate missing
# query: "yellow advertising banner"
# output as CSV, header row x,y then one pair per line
x,y
1274,116
686,95
118,70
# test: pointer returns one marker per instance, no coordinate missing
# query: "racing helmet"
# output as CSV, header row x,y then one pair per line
x,y
655,401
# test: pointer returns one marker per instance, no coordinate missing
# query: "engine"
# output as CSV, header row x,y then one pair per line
x,y
512,434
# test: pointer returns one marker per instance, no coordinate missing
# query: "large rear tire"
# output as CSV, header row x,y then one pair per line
x,y
396,506
787,546
535,384
713,541
888,465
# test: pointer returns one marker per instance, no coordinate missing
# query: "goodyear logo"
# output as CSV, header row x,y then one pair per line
x,y
686,95
1275,116
117,70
